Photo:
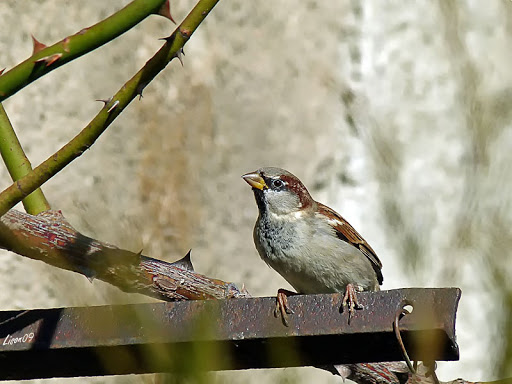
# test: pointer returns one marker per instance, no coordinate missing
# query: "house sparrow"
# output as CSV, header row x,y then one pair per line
x,y
310,245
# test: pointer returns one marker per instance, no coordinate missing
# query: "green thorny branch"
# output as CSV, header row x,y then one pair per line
x,y
46,59
18,164
172,48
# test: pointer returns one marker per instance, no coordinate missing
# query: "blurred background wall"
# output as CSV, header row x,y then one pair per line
x,y
397,115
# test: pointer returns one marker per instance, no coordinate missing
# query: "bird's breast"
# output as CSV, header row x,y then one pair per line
x,y
273,238
311,261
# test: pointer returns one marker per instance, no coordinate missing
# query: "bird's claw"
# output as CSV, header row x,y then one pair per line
x,y
350,300
282,309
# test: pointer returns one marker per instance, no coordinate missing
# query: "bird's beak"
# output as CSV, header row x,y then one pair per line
x,y
255,180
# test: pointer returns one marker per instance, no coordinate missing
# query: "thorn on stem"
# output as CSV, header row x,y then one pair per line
x,y
65,44
49,60
140,88
2,71
37,45
165,11
105,101
114,106
185,262
89,274
180,54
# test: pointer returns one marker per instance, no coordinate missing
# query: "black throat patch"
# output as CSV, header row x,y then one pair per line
x,y
260,200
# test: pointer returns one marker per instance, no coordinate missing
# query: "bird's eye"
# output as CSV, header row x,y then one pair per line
x,y
277,184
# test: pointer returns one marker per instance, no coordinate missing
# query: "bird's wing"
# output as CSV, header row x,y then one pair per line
x,y
347,233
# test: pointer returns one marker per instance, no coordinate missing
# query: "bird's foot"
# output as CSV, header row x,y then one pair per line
x,y
350,300
282,309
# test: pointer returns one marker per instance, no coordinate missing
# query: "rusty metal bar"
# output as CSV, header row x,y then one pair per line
x,y
224,334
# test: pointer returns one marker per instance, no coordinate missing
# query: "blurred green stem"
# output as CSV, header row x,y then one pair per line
x,y
76,45
18,164
51,166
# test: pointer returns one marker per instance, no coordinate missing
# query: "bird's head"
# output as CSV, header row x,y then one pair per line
x,y
278,191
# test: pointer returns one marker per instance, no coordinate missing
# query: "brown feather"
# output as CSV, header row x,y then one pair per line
x,y
347,233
